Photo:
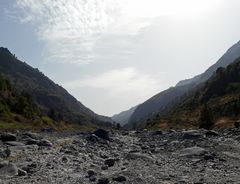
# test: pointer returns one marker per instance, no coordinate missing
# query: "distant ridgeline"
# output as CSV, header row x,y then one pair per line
x,y
164,102
215,103
28,95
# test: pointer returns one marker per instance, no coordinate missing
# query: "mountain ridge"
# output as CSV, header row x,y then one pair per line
x,y
158,102
48,95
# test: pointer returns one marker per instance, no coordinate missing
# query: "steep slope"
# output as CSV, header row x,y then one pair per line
x,y
123,117
51,98
232,54
161,100
216,102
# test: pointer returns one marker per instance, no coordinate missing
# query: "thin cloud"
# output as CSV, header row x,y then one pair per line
x,y
69,28
122,82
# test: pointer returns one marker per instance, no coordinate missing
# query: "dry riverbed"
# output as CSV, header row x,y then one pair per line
x,y
142,157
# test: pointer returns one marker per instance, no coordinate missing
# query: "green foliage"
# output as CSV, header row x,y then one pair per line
x,y
206,118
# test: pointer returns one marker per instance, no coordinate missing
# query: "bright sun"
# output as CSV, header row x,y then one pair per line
x,y
153,8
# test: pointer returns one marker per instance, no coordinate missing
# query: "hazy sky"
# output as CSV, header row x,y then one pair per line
x,y
114,54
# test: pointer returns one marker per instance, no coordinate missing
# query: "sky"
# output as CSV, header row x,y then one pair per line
x,y
114,54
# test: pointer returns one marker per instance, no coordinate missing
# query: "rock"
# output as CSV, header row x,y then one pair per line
x,y
30,168
105,167
103,181
91,173
92,138
5,153
8,137
31,135
30,141
103,134
15,143
21,172
92,178
157,132
120,179
192,135
45,143
192,151
237,124
110,162
64,159
209,157
8,169
210,133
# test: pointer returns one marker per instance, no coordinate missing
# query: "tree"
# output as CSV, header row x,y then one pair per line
x,y
206,118
118,126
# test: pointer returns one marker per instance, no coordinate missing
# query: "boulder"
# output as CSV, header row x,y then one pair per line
x,y
21,172
8,169
90,173
30,141
5,153
211,133
103,181
8,137
32,135
101,133
193,151
192,135
14,143
45,143
120,179
110,162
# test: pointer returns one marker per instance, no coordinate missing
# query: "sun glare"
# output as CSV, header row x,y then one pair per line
x,y
154,8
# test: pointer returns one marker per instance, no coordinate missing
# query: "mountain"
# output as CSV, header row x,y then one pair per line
x,y
215,103
160,101
123,117
51,99
232,54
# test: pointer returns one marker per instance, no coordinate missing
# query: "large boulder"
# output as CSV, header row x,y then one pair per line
x,y
101,133
8,137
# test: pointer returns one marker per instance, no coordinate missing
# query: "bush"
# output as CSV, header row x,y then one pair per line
x,y
206,118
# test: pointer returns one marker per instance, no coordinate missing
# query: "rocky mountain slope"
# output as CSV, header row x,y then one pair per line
x,y
160,101
215,103
123,117
51,99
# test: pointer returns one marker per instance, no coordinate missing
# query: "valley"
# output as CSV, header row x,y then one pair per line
x,y
102,157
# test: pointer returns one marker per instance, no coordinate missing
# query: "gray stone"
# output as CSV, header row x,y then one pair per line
x,y
8,137
193,151
120,178
21,172
103,134
192,135
32,135
15,143
8,169
90,173
103,181
45,143
110,162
